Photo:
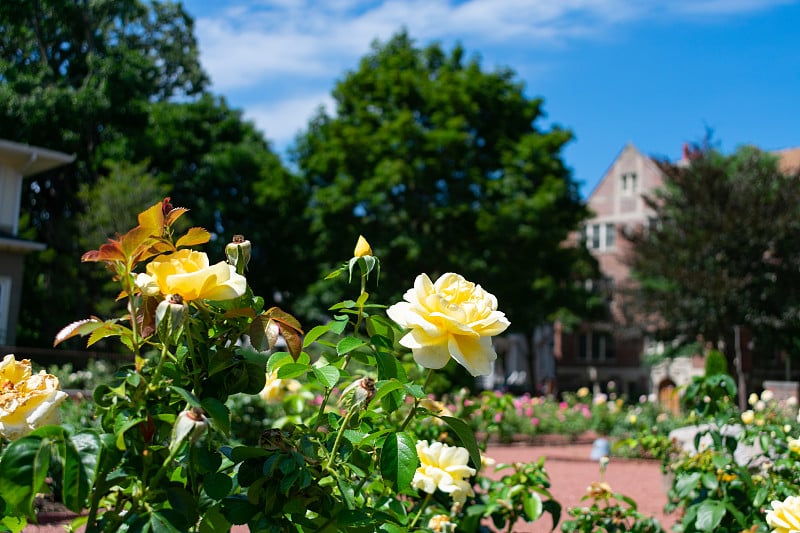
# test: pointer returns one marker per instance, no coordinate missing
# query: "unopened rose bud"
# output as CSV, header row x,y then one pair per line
x,y
189,427
238,252
362,247
360,392
170,318
362,256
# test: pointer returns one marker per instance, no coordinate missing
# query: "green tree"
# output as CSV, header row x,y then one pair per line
x,y
724,252
221,168
442,167
121,82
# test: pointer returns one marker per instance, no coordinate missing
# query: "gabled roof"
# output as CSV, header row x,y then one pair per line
x,y
28,160
629,147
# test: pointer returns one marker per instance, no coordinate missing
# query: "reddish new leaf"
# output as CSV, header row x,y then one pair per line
x,y
81,327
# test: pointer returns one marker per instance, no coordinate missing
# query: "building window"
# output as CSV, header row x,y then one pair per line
x,y
610,236
628,183
600,236
596,346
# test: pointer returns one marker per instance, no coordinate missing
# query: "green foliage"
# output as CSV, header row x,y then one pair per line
x,y
445,166
736,464
710,395
164,453
724,252
609,512
716,363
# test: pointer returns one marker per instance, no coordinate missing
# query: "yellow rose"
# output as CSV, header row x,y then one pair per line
x,y
275,388
27,400
748,417
450,318
188,274
443,467
362,247
784,517
583,392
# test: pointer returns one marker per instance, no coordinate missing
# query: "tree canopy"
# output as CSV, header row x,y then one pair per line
x,y
724,252
444,167
120,85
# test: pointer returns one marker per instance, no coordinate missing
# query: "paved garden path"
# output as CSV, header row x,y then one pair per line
x,y
571,471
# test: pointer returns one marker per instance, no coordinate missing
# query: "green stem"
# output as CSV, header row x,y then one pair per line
x,y
361,305
419,513
321,411
339,438
413,410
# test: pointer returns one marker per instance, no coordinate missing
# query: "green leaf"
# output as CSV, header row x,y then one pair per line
x,y
21,475
709,515
399,459
213,521
710,480
532,505
217,485
219,413
277,360
292,370
686,484
159,523
382,388
237,510
79,465
466,437
315,333
380,326
190,398
348,344
327,375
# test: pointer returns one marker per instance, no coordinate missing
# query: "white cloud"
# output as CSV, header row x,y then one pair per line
x,y
281,57
280,121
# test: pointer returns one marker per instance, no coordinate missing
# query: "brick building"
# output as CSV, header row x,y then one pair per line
x,y
613,349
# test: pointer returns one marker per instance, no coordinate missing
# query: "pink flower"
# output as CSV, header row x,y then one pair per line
x,y
563,405
535,421
529,412
498,417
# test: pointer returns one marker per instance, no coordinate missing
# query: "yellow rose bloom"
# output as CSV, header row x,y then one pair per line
x,y
275,388
362,247
748,417
583,392
443,467
188,274
27,400
452,317
784,517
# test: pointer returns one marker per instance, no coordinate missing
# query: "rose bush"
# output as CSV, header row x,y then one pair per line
x,y
165,454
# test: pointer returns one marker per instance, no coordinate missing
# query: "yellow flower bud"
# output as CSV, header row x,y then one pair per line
x,y
362,247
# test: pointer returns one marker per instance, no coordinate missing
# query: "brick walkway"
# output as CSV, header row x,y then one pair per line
x,y
570,472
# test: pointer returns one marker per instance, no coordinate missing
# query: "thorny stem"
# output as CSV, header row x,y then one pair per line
x,y
413,410
339,437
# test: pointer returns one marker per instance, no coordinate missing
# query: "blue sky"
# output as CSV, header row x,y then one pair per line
x,y
656,73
